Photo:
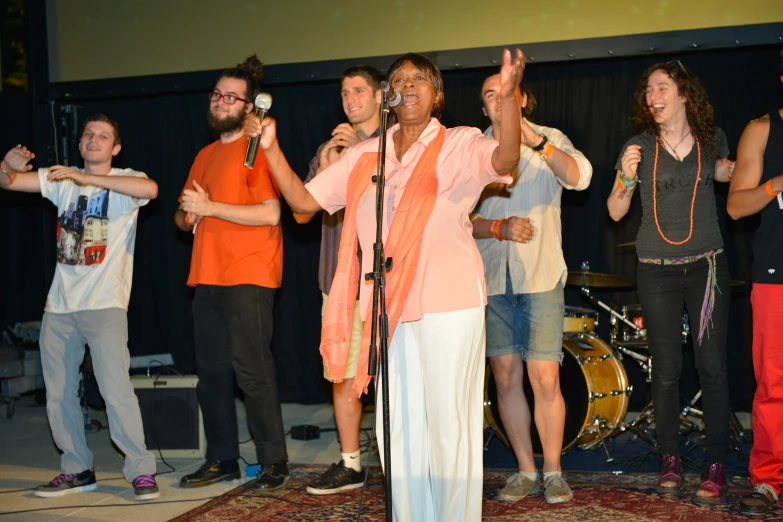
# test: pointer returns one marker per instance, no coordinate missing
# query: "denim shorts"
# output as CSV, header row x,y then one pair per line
x,y
528,324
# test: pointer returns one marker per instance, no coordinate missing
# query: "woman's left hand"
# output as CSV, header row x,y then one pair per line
x,y
511,72
724,168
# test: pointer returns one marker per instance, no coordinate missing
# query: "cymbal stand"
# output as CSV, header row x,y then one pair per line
x,y
617,315
692,419
646,417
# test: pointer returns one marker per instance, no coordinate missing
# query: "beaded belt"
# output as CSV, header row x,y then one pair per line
x,y
709,292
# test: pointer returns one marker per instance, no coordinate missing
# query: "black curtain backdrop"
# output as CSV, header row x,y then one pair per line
x,y
588,100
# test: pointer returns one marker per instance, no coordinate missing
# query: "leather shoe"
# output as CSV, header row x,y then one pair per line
x,y
273,476
670,481
714,486
211,472
760,501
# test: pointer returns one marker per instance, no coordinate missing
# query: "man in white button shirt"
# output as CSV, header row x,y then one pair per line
x,y
518,232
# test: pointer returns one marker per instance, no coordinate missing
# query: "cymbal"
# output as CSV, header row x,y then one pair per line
x,y
596,280
629,244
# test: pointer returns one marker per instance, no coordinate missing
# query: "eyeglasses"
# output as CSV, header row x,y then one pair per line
x,y
229,99
677,63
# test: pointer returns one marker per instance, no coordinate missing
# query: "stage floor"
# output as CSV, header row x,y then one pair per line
x,y
28,458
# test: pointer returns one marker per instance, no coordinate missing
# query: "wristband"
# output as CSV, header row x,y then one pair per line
x,y
547,150
625,181
186,220
8,174
768,186
494,229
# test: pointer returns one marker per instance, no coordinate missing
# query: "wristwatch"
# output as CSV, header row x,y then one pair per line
x,y
540,146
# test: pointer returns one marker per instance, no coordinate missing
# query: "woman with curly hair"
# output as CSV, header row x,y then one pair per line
x,y
675,161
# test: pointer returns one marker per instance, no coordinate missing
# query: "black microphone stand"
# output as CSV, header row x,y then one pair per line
x,y
380,266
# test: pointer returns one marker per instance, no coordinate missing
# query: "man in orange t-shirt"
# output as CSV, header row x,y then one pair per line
x,y
237,263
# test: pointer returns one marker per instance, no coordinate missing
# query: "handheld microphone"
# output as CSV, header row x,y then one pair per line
x,y
263,102
393,97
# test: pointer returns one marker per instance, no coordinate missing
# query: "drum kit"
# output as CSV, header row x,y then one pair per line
x,y
593,378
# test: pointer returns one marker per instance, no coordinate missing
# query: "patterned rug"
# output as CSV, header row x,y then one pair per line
x,y
597,496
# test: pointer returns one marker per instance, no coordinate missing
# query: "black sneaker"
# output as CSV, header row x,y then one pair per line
x,y
145,488
337,478
273,476
211,472
65,484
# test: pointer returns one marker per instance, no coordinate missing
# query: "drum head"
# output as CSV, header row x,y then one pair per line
x,y
575,394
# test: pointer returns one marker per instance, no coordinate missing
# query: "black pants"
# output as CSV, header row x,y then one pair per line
x,y
233,331
662,291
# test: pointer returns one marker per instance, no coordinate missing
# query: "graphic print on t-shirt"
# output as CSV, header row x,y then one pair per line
x,y
83,230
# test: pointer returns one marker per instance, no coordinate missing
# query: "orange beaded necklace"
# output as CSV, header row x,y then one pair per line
x,y
693,200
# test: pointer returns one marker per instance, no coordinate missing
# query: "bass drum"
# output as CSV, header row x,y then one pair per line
x,y
595,389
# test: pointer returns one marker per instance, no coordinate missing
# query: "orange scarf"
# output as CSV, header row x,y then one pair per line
x,y
403,245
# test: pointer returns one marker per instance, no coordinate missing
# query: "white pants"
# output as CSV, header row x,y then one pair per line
x,y
436,381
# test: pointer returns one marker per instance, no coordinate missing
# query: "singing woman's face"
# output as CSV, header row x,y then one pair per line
x,y
663,99
418,95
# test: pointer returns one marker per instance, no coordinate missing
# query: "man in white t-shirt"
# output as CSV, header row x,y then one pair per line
x,y
97,210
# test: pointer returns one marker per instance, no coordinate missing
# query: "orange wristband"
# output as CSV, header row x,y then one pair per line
x,y
494,229
547,150
186,219
768,186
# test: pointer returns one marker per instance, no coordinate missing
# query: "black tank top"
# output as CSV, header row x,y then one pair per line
x,y
768,242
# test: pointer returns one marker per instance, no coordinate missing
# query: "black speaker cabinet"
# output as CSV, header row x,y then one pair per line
x,y
172,419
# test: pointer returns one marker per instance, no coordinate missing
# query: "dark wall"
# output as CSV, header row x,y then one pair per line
x,y
589,100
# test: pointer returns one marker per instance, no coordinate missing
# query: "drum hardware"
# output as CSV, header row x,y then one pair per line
x,y
639,426
692,419
644,361
628,390
615,316
598,422
598,426
491,434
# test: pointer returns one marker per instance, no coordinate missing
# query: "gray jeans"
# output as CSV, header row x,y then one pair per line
x,y
63,337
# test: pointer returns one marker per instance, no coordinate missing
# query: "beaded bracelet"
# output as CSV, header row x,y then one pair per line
x,y
625,181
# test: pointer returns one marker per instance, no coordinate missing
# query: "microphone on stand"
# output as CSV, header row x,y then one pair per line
x,y
393,97
263,102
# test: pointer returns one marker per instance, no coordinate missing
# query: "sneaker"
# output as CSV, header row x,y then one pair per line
x,y
337,478
518,487
714,485
64,484
670,481
272,477
760,501
556,490
145,488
